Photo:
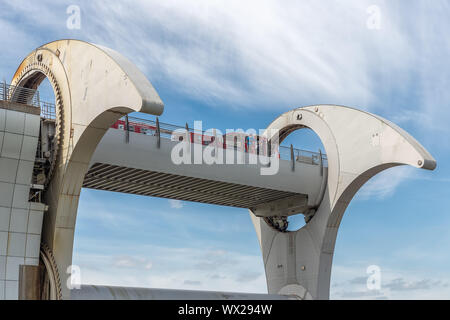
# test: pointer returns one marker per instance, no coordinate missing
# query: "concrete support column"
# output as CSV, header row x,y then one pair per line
x,y
291,260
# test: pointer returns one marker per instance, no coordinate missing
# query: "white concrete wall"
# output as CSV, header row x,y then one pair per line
x,y
20,220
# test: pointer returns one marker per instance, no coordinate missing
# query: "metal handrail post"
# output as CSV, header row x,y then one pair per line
x,y
158,133
292,158
321,162
127,129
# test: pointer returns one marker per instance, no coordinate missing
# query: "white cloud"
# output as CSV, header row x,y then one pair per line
x,y
260,52
268,54
265,51
124,262
192,283
149,265
383,185
132,262
227,51
176,204
349,282
174,268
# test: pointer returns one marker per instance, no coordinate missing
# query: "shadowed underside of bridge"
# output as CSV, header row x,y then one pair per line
x,y
108,177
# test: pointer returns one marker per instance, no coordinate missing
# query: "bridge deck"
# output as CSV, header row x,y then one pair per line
x,y
135,165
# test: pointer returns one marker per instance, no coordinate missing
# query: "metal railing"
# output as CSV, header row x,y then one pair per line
x,y
27,96
148,127
48,110
303,156
166,130
19,94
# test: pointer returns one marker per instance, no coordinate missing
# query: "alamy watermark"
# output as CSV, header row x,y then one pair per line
x,y
73,21
374,278
234,147
374,20
74,279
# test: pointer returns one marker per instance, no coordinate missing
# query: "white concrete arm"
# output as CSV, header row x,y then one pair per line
x,y
94,86
358,146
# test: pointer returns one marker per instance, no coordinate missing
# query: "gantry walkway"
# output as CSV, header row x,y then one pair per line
x,y
139,163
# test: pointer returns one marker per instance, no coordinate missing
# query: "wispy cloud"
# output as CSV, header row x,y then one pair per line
x,y
222,51
400,284
192,282
363,294
383,185
255,53
175,268
398,288
395,284
176,204
132,262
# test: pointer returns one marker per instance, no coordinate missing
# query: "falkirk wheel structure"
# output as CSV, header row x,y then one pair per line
x,y
45,162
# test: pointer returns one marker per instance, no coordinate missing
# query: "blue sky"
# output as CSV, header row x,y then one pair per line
x,y
239,65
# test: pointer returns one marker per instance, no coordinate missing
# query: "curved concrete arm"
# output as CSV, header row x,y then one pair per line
x,y
85,66
358,146
356,142
94,86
